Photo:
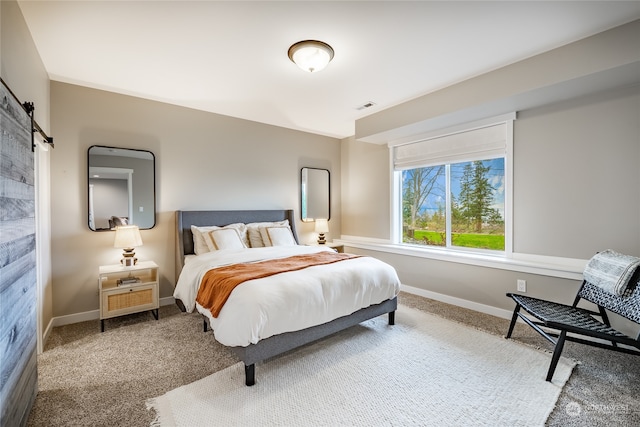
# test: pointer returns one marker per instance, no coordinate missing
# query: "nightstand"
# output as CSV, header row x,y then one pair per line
x,y
339,247
127,290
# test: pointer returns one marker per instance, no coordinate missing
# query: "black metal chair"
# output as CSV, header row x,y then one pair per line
x,y
558,320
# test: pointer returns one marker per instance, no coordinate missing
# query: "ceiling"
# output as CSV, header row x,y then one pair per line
x,y
231,58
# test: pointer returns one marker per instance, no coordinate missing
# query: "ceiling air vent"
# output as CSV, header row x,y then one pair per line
x,y
365,106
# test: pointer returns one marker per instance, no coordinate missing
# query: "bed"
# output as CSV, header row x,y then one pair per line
x,y
256,346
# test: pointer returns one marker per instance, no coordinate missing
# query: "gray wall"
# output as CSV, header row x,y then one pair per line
x,y
576,176
20,63
365,189
203,161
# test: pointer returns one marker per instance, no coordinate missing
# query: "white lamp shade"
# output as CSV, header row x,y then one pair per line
x,y
322,226
127,236
311,55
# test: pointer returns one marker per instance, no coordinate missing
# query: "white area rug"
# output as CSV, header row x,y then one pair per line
x,y
423,371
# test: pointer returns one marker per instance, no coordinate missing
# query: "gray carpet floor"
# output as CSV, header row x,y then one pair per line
x,y
88,378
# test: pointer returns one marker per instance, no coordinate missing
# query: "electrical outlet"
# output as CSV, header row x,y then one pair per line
x,y
522,285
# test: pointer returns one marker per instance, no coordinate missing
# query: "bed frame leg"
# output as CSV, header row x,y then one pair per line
x,y
392,317
250,374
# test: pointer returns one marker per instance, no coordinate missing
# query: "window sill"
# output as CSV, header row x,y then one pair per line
x,y
566,268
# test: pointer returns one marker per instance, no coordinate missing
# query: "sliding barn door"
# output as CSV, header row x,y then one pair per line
x,y
18,369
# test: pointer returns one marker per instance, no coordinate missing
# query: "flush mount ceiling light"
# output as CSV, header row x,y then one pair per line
x,y
311,55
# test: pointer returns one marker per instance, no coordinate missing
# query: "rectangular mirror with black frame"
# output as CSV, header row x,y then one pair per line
x,y
315,191
121,185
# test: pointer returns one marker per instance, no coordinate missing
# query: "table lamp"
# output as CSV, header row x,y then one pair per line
x,y
127,238
322,226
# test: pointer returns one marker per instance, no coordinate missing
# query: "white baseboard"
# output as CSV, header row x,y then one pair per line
x,y
482,308
87,315
75,318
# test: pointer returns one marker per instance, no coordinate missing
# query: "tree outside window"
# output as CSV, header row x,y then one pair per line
x,y
473,214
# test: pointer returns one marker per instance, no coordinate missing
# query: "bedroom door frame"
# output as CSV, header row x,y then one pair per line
x,y
42,165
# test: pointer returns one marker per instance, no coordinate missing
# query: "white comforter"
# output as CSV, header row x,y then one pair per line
x,y
290,301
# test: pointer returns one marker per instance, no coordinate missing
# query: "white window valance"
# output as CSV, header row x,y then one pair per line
x,y
474,144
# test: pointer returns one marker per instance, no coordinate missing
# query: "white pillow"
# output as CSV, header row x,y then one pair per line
x,y
253,231
239,227
278,236
202,242
226,238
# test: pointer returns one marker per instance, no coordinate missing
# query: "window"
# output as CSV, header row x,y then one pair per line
x,y
454,190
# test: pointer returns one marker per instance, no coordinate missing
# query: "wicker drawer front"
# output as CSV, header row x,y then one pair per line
x,y
129,300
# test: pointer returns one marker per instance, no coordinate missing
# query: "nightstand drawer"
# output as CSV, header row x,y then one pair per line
x,y
126,300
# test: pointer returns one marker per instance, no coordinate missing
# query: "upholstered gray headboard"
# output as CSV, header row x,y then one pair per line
x,y
185,219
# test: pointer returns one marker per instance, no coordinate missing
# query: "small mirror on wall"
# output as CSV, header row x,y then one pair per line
x,y
121,185
315,190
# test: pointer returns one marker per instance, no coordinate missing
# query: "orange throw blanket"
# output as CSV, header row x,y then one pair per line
x,y
218,283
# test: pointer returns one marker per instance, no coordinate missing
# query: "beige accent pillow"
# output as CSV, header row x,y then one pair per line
x,y
199,244
255,239
226,238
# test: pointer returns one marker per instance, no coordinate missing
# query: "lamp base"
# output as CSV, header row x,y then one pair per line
x,y
321,239
129,262
128,258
